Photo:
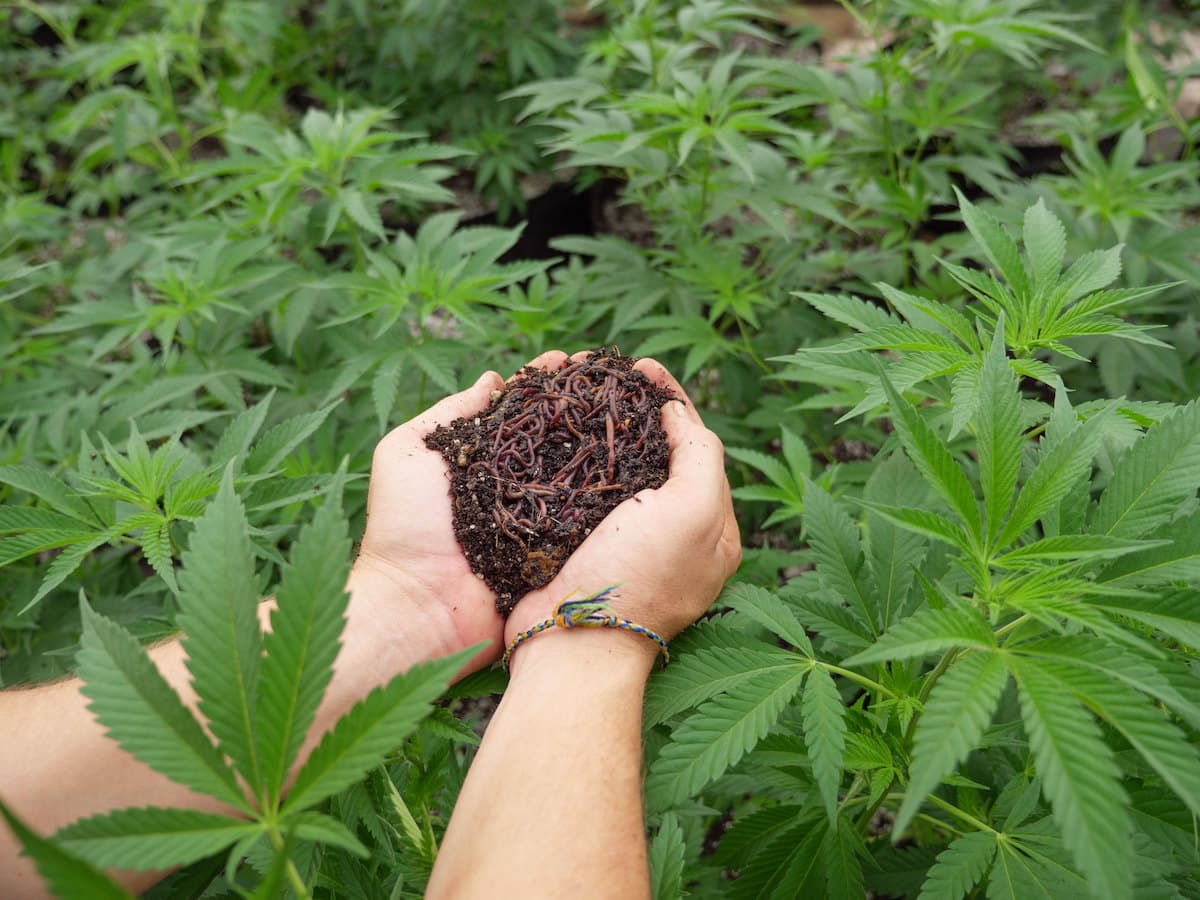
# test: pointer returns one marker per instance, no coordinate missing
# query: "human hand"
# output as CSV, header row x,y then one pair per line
x,y
410,564
670,549
411,573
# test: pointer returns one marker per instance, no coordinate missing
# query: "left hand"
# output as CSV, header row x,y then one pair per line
x,y
411,572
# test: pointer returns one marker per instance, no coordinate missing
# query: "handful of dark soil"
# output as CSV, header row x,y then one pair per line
x,y
556,452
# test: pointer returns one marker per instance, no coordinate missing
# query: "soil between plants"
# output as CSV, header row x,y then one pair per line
x,y
555,452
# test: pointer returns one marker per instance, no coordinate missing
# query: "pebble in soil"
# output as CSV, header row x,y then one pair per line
x,y
554,453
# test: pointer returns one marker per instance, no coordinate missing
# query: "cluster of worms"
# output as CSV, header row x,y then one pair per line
x,y
556,451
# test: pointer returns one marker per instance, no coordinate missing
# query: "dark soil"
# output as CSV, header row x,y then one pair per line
x,y
554,453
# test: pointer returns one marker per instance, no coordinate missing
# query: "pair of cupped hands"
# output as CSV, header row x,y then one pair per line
x,y
670,550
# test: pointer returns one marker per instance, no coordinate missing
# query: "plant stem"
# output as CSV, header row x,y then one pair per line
x,y
749,348
293,873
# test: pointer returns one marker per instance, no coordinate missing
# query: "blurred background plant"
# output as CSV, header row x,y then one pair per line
x,y
261,232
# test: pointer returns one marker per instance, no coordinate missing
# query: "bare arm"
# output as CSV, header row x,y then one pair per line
x,y
58,765
413,598
552,805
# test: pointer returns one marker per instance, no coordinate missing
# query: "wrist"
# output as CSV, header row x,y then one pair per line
x,y
392,623
598,654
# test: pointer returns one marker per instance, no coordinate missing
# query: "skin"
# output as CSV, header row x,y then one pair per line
x,y
574,697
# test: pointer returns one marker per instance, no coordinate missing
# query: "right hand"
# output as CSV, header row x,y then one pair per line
x,y
670,550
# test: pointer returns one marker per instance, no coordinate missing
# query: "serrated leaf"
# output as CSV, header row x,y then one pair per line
x,y
923,522
1080,778
996,243
768,610
932,459
34,518
435,365
893,553
1090,272
240,433
306,626
1154,476
70,559
51,490
65,875
1176,557
666,859
717,735
314,826
747,833
1045,245
959,708
959,867
1138,718
374,727
701,674
362,211
786,866
925,313
838,553
1070,546
1167,680
19,546
795,453
156,545
841,854
281,440
145,838
770,466
998,430
218,606
275,878
929,631
892,337
825,735
1017,876
1176,615
384,386
1058,469
445,724
144,715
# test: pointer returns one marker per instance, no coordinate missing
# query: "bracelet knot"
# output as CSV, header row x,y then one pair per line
x,y
591,611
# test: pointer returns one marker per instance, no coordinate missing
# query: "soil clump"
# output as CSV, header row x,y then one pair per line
x,y
554,453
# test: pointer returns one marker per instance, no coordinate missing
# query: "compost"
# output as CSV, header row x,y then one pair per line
x,y
554,453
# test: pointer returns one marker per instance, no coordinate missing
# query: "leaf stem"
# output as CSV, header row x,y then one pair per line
x,y
1013,625
858,679
961,815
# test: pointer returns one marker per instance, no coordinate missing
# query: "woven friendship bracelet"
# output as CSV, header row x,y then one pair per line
x,y
588,612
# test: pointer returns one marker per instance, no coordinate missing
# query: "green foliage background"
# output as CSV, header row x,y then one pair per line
x,y
938,296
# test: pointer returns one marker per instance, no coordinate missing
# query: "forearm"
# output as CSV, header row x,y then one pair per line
x,y
57,764
552,805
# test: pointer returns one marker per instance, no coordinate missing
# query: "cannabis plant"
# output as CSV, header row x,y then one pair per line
x,y
989,660
258,694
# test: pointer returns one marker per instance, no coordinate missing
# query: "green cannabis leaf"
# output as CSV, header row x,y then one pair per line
x,y
259,697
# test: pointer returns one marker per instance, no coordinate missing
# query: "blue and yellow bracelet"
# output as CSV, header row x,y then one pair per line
x,y
591,611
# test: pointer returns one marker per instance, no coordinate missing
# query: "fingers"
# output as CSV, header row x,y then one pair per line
x,y
697,464
658,374
550,360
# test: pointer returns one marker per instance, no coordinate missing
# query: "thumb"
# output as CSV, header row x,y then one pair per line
x,y
470,402
465,403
